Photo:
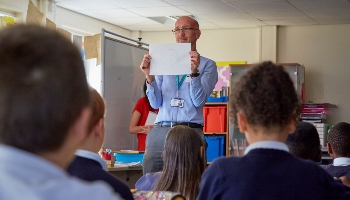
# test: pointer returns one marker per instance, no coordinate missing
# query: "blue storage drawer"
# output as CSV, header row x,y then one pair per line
x,y
120,157
216,147
220,99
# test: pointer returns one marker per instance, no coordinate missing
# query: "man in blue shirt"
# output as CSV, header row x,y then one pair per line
x,y
180,98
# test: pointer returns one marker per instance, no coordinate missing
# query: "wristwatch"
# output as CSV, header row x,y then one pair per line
x,y
195,74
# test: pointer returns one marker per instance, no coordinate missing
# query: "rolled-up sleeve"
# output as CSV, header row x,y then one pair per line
x,y
202,86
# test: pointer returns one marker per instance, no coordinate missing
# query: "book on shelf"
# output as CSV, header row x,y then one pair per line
x,y
312,121
313,111
309,116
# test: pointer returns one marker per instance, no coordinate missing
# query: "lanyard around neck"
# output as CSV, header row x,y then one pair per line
x,y
181,82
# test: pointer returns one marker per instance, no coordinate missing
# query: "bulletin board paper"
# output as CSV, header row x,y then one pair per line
x,y
65,33
91,46
170,59
50,24
34,16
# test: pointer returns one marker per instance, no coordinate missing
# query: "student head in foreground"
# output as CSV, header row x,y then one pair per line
x,y
305,142
184,164
44,115
339,149
88,165
265,107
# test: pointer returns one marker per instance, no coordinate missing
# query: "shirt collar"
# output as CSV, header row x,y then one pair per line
x,y
267,145
93,156
342,161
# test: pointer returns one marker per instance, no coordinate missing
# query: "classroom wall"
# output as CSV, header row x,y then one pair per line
x,y
218,45
324,51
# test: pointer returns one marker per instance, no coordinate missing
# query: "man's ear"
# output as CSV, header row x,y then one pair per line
x,y
198,34
242,122
79,129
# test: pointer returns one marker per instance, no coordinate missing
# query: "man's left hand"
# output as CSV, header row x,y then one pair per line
x,y
195,61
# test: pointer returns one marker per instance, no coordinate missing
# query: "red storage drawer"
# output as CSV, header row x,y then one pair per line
x,y
215,118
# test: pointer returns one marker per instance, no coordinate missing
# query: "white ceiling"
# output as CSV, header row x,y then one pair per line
x,y
212,14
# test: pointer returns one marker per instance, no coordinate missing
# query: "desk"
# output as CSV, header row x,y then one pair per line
x,y
128,175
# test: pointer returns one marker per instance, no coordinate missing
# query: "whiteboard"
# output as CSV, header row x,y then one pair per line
x,y
122,83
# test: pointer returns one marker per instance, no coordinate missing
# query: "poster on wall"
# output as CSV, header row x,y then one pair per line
x,y
224,73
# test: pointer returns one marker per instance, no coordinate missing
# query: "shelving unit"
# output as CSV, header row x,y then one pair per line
x,y
296,73
226,132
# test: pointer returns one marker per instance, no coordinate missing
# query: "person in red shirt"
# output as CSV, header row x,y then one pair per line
x,y
138,120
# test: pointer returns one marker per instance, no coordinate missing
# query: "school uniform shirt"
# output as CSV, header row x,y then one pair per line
x,y
90,166
268,171
46,180
12,189
143,107
148,181
340,167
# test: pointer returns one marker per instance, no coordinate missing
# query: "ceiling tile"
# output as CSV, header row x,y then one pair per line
x,y
210,9
126,21
141,27
320,4
255,7
247,1
110,13
137,3
159,11
212,14
297,22
194,2
78,5
280,15
240,24
224,17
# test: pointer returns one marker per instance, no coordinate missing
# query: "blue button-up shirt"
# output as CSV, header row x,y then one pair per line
x,y
46,180
194,93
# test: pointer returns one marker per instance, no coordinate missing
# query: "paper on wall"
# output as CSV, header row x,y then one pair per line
x,y
34,16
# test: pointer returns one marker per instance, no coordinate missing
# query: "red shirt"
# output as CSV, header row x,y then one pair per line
x,y
143,107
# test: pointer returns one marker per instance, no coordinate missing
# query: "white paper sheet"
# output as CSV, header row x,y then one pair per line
x,y
151,118
170,59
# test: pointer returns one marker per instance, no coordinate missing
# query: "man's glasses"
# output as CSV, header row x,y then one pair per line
x,y
177,30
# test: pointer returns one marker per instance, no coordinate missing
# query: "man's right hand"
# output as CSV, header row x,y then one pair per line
x,y
145,67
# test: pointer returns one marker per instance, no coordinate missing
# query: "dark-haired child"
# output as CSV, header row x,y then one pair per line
x,y
305,142
265,107
339,149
